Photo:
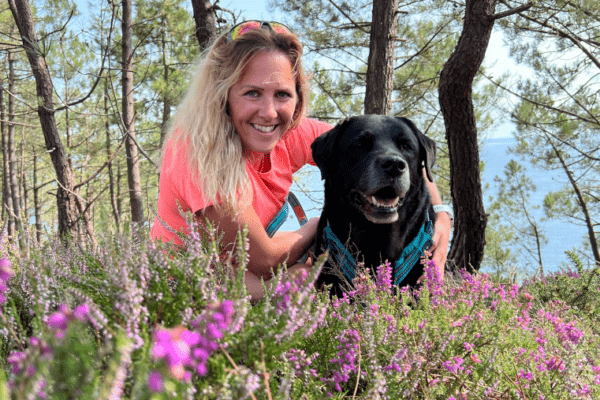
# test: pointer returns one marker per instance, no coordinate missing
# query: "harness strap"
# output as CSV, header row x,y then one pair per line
x,y
409,257
278,220
340,254
282,214
414,251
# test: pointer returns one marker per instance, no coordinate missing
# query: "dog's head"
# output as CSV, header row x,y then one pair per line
x,y
372,161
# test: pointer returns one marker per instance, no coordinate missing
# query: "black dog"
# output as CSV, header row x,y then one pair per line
x,y
377,206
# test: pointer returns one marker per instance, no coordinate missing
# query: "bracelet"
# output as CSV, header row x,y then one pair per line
x,y
444,208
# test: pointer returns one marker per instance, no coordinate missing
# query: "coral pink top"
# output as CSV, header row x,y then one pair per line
x,y
270,183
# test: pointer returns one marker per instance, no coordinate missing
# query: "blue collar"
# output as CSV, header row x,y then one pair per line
x,y
409,257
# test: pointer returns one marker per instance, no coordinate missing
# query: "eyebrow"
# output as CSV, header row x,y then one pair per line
x,y
250,86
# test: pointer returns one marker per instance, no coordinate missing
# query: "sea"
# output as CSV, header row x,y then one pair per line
x,y
562,235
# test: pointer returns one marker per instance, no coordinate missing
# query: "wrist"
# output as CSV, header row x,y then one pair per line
x,y
441,209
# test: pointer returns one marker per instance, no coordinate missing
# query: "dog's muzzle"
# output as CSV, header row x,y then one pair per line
x,y
380,206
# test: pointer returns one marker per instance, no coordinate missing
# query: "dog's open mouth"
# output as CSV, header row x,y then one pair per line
x,y
380,207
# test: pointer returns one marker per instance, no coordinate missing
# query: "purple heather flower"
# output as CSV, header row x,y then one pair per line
x,y
155,382
58,320
5,269
525,375
81,312
183,349
384,277
454,365
5,273
15,359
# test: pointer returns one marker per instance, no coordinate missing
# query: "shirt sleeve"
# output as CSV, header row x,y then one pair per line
x,y
183,188
299,140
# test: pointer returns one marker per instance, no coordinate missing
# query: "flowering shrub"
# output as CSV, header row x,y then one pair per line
x,y
141,321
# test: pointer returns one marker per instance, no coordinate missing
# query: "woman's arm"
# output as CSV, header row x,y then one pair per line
x,y
265,253
443,225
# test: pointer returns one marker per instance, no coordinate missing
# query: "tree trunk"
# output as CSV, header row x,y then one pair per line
x,y
166,112
380,69
113,198
206,22
65,197
6,214
455,96
24,190
12,157
37,206
133,161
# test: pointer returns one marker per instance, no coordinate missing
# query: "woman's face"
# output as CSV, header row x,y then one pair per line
x,y
262,102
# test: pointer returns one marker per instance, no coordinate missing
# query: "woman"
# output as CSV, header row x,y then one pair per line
x,y
234,143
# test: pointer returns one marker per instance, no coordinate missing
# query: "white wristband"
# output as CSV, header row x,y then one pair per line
x,y
444,208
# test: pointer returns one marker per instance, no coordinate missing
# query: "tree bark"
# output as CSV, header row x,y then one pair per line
x,y
133,162
380,69
36,199
65,197
456,101
6,214
206,22
12,157
166,98
113,198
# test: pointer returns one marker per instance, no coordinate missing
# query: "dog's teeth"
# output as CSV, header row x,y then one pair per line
x,y
386,204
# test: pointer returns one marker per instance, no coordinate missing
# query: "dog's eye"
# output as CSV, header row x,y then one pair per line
x,y
405,145
365,140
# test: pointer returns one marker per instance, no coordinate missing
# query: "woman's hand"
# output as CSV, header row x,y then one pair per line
x,y
441,239
441,235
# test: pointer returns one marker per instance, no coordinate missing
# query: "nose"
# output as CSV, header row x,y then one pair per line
x,y
392,165
268,109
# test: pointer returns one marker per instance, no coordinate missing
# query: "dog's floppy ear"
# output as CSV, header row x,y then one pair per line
x,y
427,149
324,146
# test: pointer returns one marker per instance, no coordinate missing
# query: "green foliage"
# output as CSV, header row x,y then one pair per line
x,y
558,109
469,335
576,286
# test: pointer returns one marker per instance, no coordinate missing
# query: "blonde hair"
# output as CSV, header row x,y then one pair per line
x,y
201,124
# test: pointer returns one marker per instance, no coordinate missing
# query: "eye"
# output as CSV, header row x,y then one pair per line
x,y
365,140
403,145
283,95
251,93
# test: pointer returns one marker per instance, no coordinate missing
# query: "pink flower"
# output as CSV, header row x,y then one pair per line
x,y
81,312
156,382
525,375
5,269
58,320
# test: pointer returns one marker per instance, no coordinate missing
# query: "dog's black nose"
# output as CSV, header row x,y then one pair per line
x,y
392,165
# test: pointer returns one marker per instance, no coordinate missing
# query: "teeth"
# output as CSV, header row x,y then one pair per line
x,y
265,129
383,203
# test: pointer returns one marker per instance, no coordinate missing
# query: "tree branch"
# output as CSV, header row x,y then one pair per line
x,y
93,88
561,33
512,11
348,17
106,163
537,103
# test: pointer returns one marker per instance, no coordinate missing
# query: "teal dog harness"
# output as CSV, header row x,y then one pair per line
x,y
409,257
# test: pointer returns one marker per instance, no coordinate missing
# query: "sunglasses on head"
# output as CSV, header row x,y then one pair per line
x,y
243,27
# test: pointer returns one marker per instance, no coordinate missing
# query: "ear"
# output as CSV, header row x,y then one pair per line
x,y
323,147
426,147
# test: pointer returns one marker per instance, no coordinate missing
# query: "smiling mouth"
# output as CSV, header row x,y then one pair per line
x,y
380,207
264,129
